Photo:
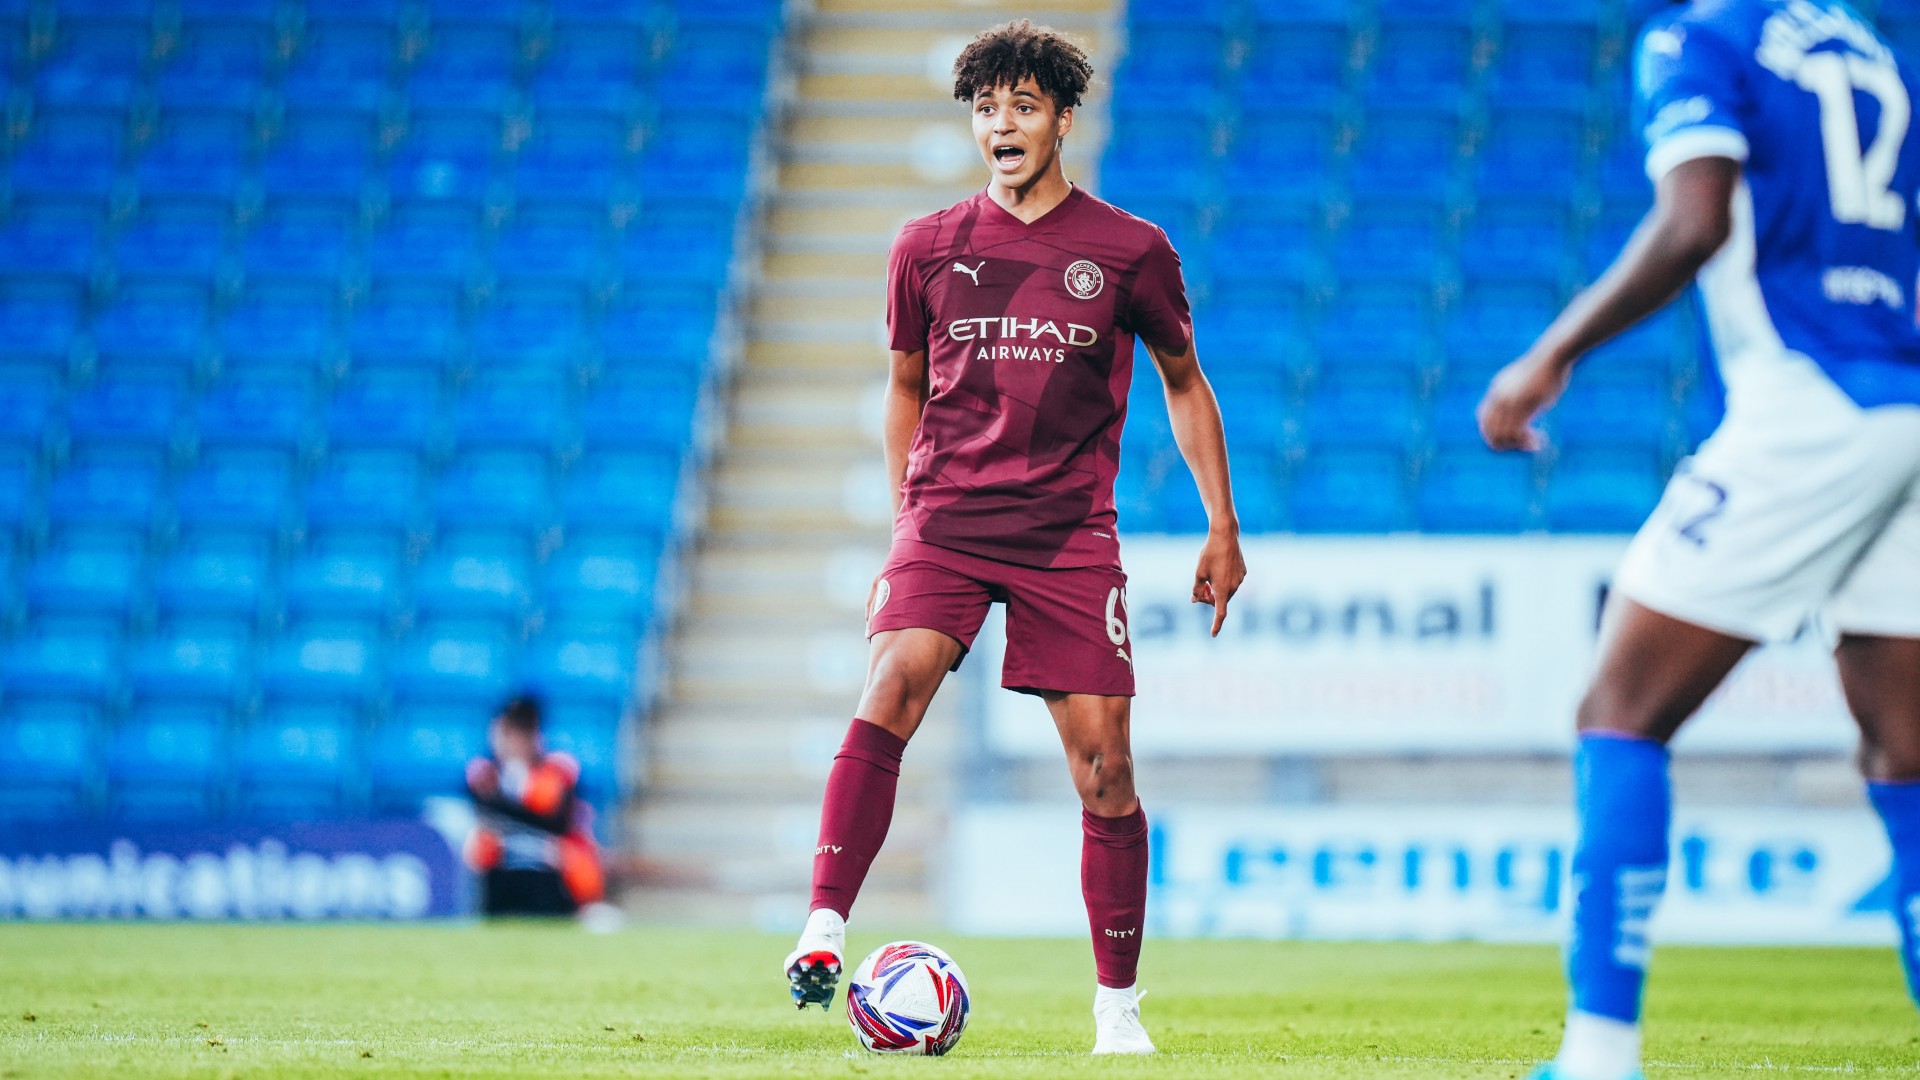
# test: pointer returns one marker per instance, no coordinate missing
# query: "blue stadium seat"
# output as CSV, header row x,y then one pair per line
x,y
136,412
644,415
1351,493
345,66
282,332
69,155
465,67
1362,413
577,159
596,15
1390,242
255,414
1383,330
422,751
1623,171
1252,400
1580,13
593,70
1281,156
538,330
1530,156
452,664
105,495
323,663
1491,326
19,485
1407,155
1135,164
95,66
1603,411
1271,250
1602,492
252,14
1476,491
293,765
87,579
1184,51
365,492
212,577
490,14
189,667
1655,351
431,244
308,244
29,411
513,414
473,584
1508,243
152,326
74,668
1606,237
385,412
1420,62
1452,420
565,246
667,254
1250,320
50,240
605,587
488,492
728,63
1449,13
319,155
684,160
49,759
166,765
348,583
216,66
173,241
194,158
624,492
445,156
1303,13
1545,66
405,330
355,13
1292,65
39,322
598,669
245,492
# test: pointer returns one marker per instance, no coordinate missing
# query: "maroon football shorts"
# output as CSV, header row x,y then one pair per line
x,y
1066,628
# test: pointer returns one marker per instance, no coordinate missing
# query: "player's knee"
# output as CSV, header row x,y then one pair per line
x,y
1104,779
896,689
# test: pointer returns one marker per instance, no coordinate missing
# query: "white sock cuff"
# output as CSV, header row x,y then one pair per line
x,y
1598,1047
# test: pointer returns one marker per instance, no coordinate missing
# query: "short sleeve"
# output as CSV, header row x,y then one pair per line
x,y
906,300
1691,96
1159,314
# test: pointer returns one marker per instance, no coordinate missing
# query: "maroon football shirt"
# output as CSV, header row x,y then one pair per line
x,y
1029,331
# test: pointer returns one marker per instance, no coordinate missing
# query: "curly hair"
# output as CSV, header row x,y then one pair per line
x,y
1012,51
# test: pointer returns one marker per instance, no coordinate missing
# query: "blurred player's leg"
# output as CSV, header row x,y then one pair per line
x,y
905,668
1654,672
1113,859
1882,680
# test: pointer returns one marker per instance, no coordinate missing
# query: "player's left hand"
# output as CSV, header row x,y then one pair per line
x,y
1218,576
1520,392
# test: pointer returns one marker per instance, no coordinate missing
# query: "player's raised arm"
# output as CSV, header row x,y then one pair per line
x,y
1690,220
1202,439
907,390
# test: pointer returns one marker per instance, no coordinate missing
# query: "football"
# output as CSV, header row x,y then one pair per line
x,y
908,997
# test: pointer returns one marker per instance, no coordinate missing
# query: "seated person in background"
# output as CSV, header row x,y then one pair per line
x,y
534,845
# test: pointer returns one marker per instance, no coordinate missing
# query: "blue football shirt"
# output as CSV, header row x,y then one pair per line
x,y
1825,252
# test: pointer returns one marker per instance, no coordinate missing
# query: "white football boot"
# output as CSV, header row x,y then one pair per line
x,y
813,968
1116,1022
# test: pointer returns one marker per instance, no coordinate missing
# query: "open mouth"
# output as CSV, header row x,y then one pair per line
x,y
1008,158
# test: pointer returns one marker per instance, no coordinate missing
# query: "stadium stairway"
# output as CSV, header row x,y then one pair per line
x,y
768,661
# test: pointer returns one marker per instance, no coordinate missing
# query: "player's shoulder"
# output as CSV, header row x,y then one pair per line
x,y
924,235
1735,22
1124,229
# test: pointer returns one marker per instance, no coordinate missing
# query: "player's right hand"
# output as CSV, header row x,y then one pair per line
x,y
1517,395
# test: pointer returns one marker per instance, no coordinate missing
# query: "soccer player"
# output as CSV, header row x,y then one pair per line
x,y
1012,317
1777,135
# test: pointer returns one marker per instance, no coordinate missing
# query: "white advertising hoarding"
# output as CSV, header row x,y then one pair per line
x,y
1399,643
1424,872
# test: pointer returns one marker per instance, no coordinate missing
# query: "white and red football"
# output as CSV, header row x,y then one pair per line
x,y
908,997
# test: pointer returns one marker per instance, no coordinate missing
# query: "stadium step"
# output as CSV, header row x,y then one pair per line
x,y
767,661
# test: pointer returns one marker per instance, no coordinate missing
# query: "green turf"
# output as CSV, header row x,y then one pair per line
x,y
534,1001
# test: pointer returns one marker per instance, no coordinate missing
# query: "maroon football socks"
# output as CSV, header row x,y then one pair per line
x,y
856,812
1113,879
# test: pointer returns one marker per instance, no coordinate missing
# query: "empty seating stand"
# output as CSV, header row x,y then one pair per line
x,y
1377,205
321,426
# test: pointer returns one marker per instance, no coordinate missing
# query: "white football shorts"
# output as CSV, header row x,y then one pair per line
x,y
1802,504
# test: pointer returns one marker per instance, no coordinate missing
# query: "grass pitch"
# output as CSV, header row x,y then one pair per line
x,y
537,1001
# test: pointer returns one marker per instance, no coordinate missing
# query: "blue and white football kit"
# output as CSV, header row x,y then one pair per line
x,y
1806,501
